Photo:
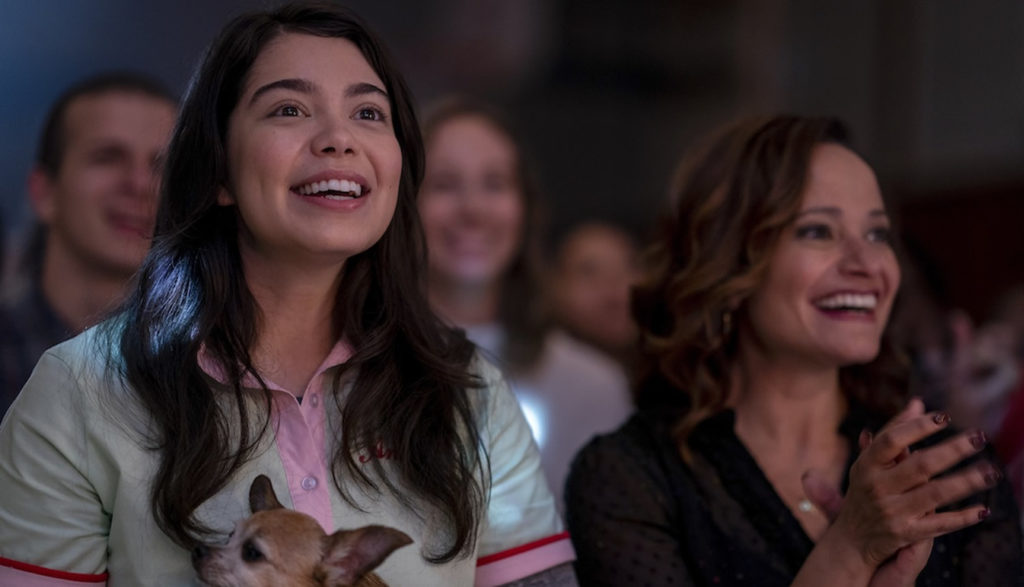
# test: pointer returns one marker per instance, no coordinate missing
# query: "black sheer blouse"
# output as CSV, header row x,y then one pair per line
x,y
639,515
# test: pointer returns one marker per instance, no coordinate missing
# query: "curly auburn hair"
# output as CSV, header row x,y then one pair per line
x,y
733,197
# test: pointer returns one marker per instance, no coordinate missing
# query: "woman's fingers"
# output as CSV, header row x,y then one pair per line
x,y
954,487
938,524
903,568
913,409
890,443
864,441
894,492
919,467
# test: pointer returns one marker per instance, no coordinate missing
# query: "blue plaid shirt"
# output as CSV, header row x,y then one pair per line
x,y
28,326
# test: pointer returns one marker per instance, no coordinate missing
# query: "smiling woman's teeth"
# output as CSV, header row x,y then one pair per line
x,y
342,188
848,302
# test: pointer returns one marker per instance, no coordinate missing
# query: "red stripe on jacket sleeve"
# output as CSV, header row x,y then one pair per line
x,y
52,573
522,561
520,549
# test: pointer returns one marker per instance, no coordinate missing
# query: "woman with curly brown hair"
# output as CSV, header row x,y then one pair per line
x,y
766,386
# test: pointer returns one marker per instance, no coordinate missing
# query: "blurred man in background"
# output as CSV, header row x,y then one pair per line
x,y
93,190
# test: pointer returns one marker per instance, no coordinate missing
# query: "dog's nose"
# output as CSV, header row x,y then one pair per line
x,y
199,553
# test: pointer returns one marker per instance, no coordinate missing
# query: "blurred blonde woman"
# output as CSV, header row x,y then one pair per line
x,y
481,215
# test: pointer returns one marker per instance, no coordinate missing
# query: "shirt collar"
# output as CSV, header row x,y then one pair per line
x,y
340,353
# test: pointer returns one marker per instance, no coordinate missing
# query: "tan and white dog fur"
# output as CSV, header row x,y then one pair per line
x,y
277,546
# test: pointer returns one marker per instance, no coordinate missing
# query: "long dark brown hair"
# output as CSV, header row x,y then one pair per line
x,y
410,372
733,197
522,309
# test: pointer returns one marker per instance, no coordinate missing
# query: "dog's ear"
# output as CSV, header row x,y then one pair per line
x,y
350,554
261,495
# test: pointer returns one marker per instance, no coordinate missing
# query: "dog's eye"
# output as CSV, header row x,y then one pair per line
x,y
250,553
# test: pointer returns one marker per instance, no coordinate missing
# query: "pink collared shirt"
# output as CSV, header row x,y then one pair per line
x,y
299,427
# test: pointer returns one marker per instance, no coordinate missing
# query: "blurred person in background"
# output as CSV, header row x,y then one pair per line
x,y
971,371
966,369
982,372
760,453
1009,309
1008,319
922,325
481,216
593,270
982,375
3,248
93,191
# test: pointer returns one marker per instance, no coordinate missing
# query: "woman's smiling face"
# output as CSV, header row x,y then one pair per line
x,y
314,164
471,203
833,276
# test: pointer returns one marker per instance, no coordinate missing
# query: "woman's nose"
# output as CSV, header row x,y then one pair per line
x,y
859,256
334,138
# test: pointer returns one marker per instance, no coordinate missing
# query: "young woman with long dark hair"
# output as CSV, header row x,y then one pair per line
x,y
279,326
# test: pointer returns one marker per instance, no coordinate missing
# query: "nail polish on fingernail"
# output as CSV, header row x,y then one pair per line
x,y
993,476
984,513
978,439
941,418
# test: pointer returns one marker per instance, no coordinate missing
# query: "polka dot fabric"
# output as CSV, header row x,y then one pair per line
x,y
640,516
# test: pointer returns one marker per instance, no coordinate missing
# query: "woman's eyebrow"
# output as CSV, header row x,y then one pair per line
x,y
295,84
835,211
830,210
363,88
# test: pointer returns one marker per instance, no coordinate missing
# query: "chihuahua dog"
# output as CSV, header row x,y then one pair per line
x,y
277,546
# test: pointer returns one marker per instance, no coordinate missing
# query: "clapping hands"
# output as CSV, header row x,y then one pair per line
x,y
888,517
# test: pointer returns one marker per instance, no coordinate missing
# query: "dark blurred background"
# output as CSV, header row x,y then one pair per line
x,y
608,94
